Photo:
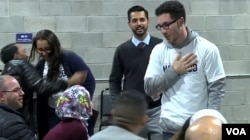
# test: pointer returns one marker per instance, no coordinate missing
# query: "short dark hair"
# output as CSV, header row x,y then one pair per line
x,y
137,8
8,52
173,7
130,106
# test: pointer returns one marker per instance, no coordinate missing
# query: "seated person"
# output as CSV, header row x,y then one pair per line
x,y
129,117
13,125
205,124
74,107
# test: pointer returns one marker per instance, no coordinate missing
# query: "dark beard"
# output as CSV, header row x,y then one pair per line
x,y
140,34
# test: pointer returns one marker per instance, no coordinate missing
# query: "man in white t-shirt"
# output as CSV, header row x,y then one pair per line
x,y
186,68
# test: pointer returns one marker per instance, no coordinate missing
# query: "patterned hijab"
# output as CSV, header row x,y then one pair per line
x,y
74,103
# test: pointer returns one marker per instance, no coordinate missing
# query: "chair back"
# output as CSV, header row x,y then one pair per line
x,y
105,108
106,103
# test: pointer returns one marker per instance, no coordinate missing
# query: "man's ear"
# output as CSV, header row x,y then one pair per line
x,y
129,24
1,97
181,21
144,119
16,55
112,112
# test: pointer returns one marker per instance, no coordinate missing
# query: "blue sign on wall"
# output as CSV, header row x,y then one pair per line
x,y
24,38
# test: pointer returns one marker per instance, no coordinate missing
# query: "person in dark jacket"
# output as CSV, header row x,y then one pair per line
x,y
13,125
15,59
56,63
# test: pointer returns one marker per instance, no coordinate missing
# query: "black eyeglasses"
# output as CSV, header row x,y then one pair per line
x,y
46,50
165,25
18,89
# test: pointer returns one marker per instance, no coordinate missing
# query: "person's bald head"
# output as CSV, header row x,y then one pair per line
x,y
205,128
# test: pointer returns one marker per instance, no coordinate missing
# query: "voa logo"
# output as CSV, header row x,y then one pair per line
x,y
193,70
236,131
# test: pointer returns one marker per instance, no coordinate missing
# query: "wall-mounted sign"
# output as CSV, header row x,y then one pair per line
x,y
24,38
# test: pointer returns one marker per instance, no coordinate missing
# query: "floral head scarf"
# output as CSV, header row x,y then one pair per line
x,y
74,103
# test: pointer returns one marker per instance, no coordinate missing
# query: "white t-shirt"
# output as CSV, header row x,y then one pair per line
x,y
189,94
53,98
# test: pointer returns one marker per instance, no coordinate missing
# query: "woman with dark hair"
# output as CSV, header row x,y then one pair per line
x,y
54,64
15,62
